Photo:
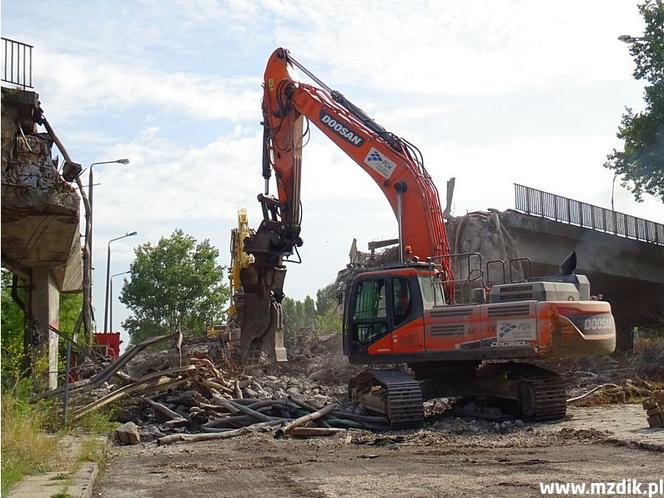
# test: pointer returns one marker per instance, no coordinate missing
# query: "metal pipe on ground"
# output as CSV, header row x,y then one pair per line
x,y
303,420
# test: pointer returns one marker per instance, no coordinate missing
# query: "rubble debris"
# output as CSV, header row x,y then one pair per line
x,y
654,408
625,391
110,371
600,380
649,361
304,419
152,382
206,400
128,433
592,391
210,398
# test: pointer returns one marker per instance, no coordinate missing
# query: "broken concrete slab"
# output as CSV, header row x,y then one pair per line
x,y
128,433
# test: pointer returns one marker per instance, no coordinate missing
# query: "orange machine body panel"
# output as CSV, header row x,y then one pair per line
x,y
517,329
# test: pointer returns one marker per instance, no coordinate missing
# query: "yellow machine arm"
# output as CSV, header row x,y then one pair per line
x,y
239,258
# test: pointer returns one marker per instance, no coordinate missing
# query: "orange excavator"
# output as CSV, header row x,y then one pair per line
x,y
457,335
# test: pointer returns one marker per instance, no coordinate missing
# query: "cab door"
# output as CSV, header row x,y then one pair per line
x,y
368,320
406,313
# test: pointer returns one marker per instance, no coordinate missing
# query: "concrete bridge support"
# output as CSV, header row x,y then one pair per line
x,y
45,308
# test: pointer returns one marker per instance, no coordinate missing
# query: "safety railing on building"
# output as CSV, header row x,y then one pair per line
x,y
17,63
558,208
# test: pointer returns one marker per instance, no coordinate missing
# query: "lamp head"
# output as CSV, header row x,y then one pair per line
x,y
122,161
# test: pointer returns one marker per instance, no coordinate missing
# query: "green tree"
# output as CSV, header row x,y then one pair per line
x,y
641,163
309,312
174,285
301,317
326,299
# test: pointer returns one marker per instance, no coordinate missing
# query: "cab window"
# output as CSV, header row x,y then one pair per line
x,y
369,312
370,300
432,292
402,299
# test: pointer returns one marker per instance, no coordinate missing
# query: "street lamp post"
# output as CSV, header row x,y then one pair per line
x,y
108,274
90,192
613,188
110,313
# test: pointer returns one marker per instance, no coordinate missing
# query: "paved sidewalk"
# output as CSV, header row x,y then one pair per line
x,y
76,478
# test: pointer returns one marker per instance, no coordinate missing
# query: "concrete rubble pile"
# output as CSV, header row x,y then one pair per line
x,y
182,395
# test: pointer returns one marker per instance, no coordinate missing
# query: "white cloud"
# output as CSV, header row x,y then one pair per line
x,y
563,165
458,48
72,86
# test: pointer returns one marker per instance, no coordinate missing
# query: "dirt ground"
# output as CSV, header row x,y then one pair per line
x,y
594,444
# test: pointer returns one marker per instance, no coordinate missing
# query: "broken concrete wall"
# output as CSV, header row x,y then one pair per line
x,y
40,211
40,217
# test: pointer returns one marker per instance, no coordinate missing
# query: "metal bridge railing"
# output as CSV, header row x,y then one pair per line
x,y
17,63
555,207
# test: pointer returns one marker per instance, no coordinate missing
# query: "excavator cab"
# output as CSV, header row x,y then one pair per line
x,y
380,302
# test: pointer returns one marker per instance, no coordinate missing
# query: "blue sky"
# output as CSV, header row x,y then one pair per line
x,y
492,92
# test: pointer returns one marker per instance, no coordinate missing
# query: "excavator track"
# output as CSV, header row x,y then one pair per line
x,y
543,395
391,393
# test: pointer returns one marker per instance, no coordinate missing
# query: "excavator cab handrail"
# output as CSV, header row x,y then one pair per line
x,y
470,274
520,261
493,262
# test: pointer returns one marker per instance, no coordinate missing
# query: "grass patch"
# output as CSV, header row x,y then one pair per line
x,y
26,449
96,422
94,450
61,477
29,441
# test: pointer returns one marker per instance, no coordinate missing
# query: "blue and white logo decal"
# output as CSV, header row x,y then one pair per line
x,y
515,332
505,329
379,163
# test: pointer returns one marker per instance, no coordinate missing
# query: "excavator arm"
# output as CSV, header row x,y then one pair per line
x,y
392,162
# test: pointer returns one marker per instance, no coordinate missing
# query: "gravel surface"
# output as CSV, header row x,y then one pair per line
x,y
452,457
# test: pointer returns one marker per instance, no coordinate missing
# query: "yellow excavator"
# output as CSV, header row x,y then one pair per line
x,y
239,260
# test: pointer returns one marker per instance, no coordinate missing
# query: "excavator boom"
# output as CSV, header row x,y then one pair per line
x,y
392,162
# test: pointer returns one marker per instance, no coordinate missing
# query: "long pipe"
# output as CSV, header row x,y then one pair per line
x,y
400,187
